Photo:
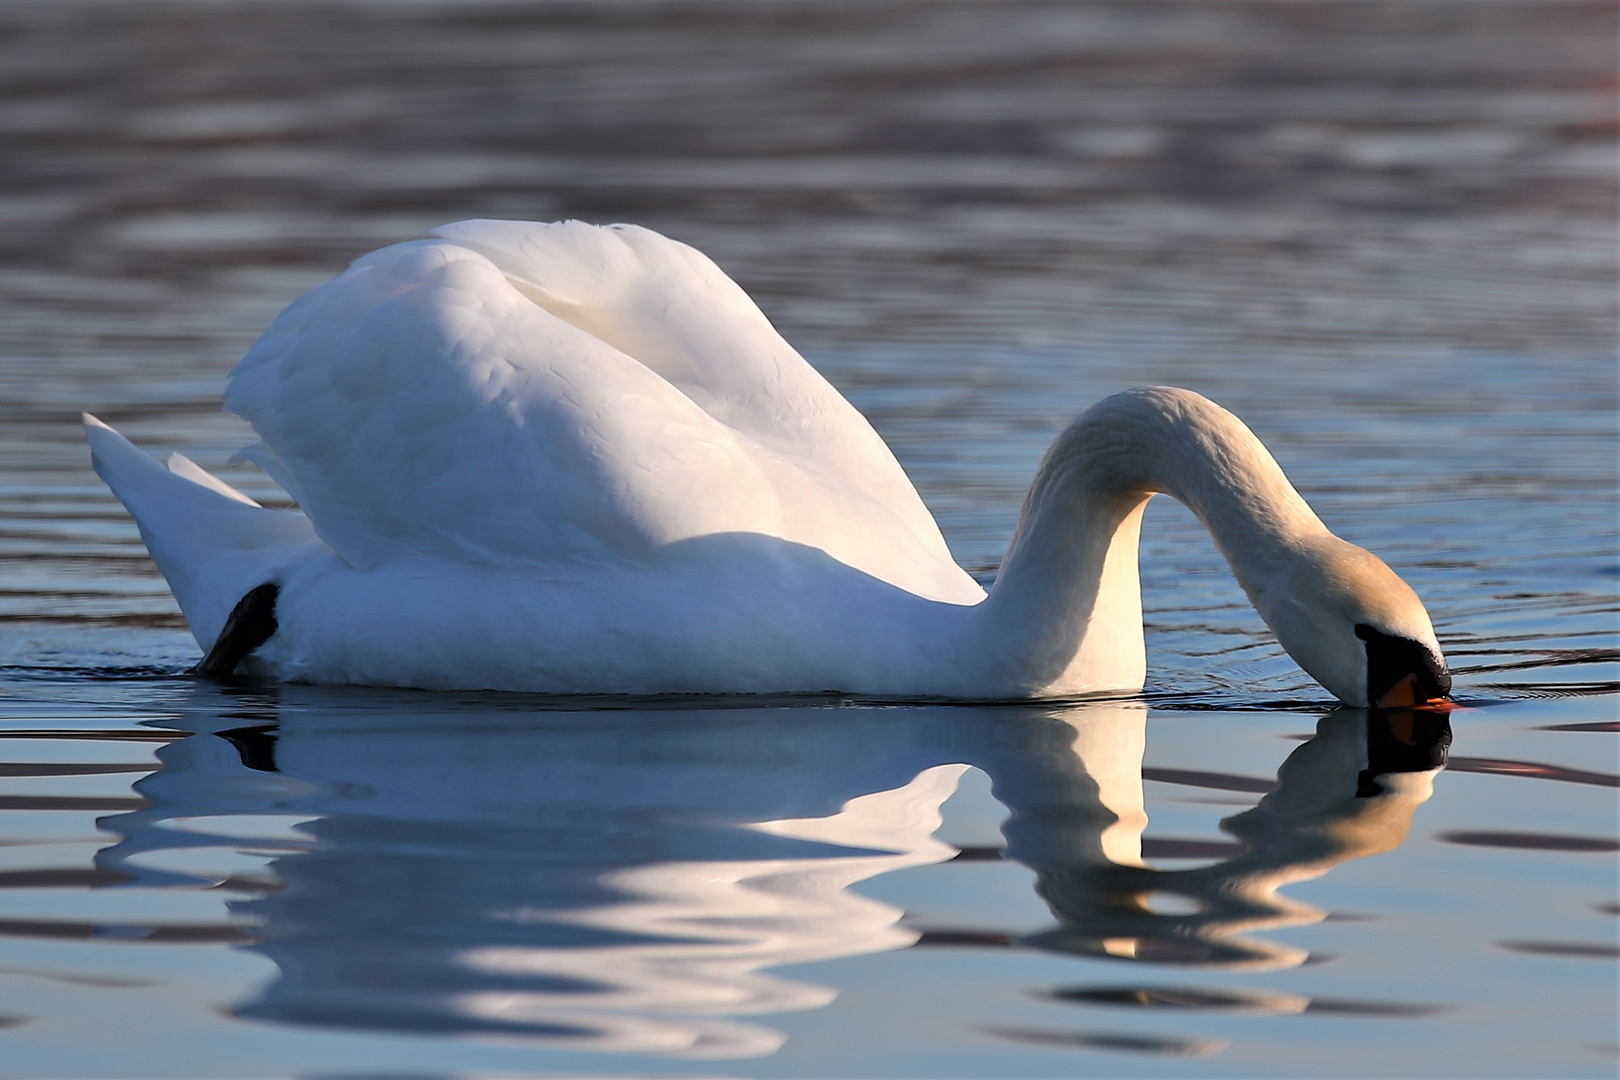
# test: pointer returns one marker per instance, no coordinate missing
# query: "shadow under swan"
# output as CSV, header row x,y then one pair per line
x,y
621,880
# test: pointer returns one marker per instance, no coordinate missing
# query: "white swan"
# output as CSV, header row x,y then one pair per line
x,y
575,459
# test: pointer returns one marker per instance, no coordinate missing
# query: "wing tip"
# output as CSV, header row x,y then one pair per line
x,y
187,469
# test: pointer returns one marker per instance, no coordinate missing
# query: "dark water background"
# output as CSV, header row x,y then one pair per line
x,y
1382,233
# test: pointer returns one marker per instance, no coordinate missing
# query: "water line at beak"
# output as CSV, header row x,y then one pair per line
x,y
1405,695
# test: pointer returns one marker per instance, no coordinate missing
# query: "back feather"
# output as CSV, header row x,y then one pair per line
x,y
515,393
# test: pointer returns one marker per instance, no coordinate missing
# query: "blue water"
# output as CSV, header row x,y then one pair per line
x,y
1380,233
320,882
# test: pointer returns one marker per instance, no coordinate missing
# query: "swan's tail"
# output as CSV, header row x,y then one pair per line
x,y
212,543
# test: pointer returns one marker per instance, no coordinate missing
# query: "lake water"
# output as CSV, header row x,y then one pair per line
x,y
1382,233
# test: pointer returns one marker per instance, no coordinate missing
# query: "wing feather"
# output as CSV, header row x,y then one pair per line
x,y
518,393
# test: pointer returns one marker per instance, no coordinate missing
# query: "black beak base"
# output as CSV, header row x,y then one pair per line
x,y
1391,659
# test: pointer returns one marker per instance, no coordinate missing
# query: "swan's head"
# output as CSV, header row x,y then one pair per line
x,y
1355,626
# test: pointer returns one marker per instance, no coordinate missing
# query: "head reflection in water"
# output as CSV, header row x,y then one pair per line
x,y
1348,792
620,881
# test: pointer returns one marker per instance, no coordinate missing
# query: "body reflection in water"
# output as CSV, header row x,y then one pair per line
x,y
621,880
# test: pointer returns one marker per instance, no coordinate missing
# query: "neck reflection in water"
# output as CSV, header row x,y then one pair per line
x,y
1348,792
619,880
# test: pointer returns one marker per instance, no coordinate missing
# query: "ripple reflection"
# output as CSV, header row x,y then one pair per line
x,y
622,880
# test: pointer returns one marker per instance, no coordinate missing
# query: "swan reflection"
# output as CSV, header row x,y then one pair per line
x,y
1348,792
622,881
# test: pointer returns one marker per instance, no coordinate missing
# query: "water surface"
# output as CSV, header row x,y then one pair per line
x,y
1382,234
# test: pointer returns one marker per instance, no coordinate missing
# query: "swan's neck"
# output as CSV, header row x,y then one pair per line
x,y
1065,615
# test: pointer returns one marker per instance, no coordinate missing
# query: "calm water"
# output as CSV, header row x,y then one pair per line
x,y
1381,233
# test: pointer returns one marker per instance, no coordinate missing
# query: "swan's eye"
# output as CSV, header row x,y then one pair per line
x,y
1392,661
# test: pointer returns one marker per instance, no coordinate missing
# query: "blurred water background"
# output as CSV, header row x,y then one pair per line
x,y
1382,233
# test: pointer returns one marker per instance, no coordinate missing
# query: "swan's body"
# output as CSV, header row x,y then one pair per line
x,y
569,459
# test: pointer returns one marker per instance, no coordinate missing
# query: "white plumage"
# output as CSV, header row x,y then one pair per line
x,y
569,458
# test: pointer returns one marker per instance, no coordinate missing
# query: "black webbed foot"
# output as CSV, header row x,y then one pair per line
x,y
250,625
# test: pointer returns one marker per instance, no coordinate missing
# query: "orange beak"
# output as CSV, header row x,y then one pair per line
x,y
1404,695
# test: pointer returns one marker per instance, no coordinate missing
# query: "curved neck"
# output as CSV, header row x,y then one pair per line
x,y
1065,615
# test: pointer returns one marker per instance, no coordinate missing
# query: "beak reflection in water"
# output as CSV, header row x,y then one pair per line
x,y
623,881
